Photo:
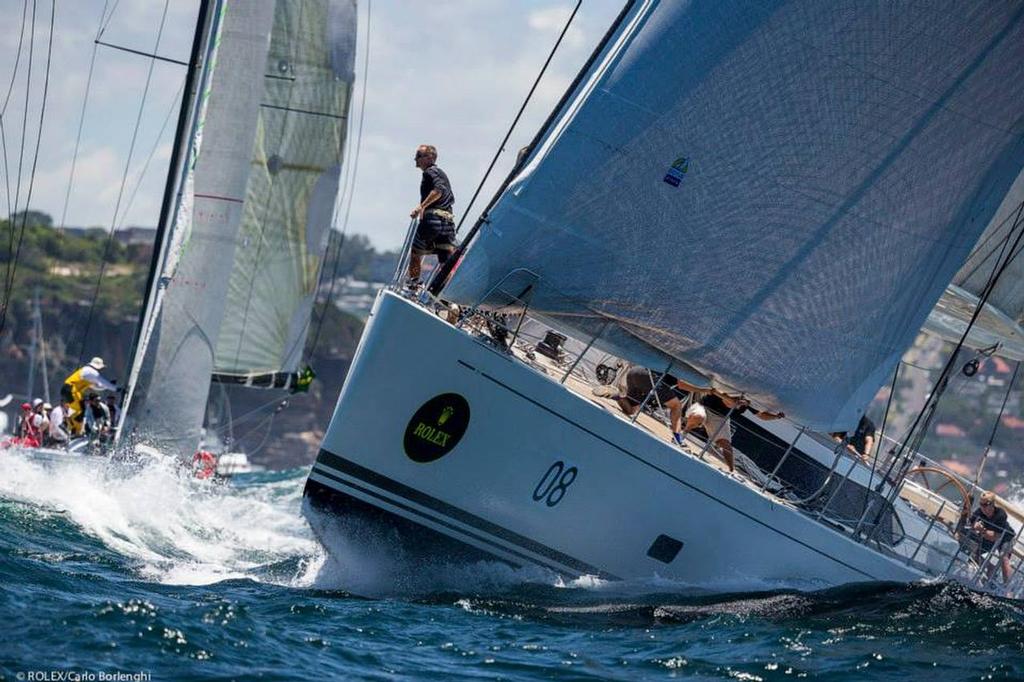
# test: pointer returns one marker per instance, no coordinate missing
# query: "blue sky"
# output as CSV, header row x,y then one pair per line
x,y
448,72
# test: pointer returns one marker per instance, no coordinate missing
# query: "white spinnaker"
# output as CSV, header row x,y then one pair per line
x,y
172,386
835,162
296,164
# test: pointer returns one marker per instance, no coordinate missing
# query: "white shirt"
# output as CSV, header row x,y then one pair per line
x,y
93,376
57,417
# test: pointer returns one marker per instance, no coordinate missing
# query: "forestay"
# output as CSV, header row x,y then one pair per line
x,y
177,351
290,196
775,193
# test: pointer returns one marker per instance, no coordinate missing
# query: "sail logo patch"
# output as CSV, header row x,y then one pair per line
x,y
436,428
677,172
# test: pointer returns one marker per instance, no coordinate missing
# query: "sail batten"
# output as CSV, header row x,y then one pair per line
x,y
775,195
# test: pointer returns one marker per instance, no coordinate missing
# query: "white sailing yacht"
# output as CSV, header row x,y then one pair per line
x,y
249,201
764,198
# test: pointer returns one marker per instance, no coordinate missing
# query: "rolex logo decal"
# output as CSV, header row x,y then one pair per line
x,y
436,428
677,171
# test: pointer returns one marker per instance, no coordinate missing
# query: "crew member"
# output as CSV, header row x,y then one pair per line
x,y
990,526
74,389
28,428
58,434
633,390
714,411
435,232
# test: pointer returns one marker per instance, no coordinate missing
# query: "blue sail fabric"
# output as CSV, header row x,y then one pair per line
x,y
774,193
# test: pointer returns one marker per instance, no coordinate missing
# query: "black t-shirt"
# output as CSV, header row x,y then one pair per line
x,y
435,178
712,402
865,428
997,522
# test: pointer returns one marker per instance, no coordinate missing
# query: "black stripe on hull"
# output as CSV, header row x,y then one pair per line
x,y
416,539
443,514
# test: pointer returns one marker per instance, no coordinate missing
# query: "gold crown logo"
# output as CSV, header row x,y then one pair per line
x,y
446,413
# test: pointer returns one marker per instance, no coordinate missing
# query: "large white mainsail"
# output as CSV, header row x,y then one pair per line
x,y
168,394
700,204
296,166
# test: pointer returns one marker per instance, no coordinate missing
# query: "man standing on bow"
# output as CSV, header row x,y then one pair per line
x,y
435,233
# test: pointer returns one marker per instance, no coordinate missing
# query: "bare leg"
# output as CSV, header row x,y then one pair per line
x,y
675,411
1005,562
627,406
725,447
415,265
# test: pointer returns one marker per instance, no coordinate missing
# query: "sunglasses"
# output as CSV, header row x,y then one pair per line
x,y
987,504
420,155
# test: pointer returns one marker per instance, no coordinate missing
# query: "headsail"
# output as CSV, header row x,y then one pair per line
x,y
296,165
774,193
1000,322
176,349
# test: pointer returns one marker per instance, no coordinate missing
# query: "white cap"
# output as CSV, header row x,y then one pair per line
x,y
47,406
37,402
97,362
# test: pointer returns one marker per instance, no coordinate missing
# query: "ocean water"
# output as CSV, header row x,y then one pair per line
x,y
109,573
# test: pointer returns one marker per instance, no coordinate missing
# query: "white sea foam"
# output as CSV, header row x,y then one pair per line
x,y
174,528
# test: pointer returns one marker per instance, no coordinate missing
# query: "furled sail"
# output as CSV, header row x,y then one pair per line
x,y
773,193
999,324
290,196
177,350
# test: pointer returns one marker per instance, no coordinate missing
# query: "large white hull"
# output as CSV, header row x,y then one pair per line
x,y
542,476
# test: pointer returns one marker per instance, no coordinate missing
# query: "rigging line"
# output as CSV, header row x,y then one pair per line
x,y
346,195
120,192
881,434
151,55
35,161
78,142
989,235
916,434
1012,214
995,426
21,156
7,98
105,18
12,221
152,153
17,58
255,412
515,121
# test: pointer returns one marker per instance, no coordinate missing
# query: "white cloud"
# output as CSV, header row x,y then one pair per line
x,y
552,20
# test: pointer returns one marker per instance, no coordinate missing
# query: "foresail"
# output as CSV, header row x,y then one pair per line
x,y
296,165
171,390
775,193
999,325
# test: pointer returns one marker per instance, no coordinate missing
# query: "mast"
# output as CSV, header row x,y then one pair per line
x,y
183,142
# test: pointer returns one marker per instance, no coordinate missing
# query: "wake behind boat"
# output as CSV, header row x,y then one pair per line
x,y
714,198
